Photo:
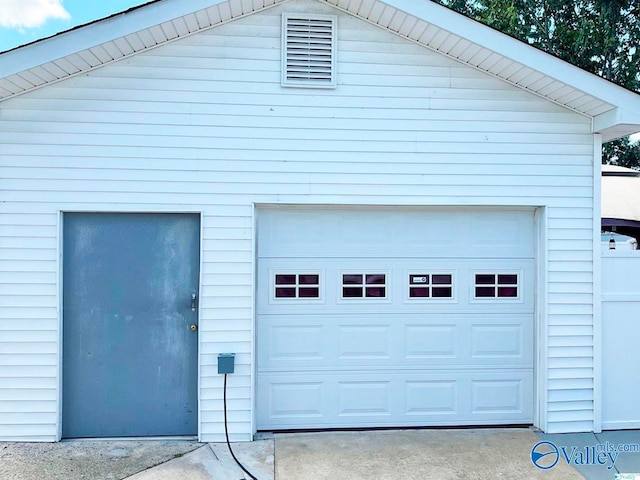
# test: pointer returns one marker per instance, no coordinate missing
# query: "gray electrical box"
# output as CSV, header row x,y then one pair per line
x,y
226,362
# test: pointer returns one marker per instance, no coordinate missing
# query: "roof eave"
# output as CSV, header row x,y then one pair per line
x,y
617,123
96,33
608,105
516,50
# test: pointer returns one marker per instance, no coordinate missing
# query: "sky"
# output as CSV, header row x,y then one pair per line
x,y
23,21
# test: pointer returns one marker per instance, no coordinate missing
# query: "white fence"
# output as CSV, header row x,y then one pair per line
x,y
621,339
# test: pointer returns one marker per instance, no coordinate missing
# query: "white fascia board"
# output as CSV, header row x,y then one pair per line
x,y
518,51
102,31
619,131
624,121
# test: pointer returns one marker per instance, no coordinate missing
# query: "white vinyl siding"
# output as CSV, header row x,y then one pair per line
x,y
203,124
28,325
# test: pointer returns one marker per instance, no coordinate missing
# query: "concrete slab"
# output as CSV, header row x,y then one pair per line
x,y
573,448
585,451
628,444
197,465
477,454
214,462
258,457
86,460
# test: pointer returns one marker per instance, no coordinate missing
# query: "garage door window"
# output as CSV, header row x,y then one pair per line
x,y
364,285
297,285
430,285
496,285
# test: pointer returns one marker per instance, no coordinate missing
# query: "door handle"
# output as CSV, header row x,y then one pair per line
x,y
194,302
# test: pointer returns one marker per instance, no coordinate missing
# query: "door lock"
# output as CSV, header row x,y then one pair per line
x,y
193,327
193,302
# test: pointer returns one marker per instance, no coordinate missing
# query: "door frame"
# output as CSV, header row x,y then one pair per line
x,y
59,293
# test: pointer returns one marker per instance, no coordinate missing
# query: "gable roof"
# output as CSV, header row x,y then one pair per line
x,y
614,110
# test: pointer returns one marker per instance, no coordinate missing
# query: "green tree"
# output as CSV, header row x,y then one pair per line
x,y
600,36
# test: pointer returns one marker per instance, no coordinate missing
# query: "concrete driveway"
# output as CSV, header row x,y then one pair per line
x,y
412,454
465,454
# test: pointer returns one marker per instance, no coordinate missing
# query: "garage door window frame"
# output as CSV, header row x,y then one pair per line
x,y
496,285
409,285
298,285
363,285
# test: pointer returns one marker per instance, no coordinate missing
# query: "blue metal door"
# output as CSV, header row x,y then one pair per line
x,y
130,339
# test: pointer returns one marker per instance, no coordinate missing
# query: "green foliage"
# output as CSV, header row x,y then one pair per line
x,y
600,36
622,152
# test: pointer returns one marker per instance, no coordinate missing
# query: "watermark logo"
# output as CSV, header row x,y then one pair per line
x,y
546,455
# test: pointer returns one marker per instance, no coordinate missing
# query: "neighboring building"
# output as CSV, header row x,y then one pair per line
x,y
621,200
392,218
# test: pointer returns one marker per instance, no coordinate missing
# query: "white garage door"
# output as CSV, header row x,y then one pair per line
x,y
390,317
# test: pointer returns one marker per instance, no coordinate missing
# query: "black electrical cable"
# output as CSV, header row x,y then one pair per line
x,y
226,432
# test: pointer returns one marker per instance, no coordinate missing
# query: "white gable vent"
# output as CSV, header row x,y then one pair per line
x,y
309,50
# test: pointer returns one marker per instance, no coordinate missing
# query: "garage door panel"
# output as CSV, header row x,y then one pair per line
x,y
393,341
295,343
397,273
447,232
431,397
498,341
364,398
364,342
293,399
431,342
498,396
368,399
444,336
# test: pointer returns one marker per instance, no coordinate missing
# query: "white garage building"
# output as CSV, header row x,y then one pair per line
x,y
385,210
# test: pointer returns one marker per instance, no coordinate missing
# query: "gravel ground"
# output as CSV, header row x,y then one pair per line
x,y
86,460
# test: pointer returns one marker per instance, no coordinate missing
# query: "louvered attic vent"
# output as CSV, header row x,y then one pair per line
x,y
309,51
